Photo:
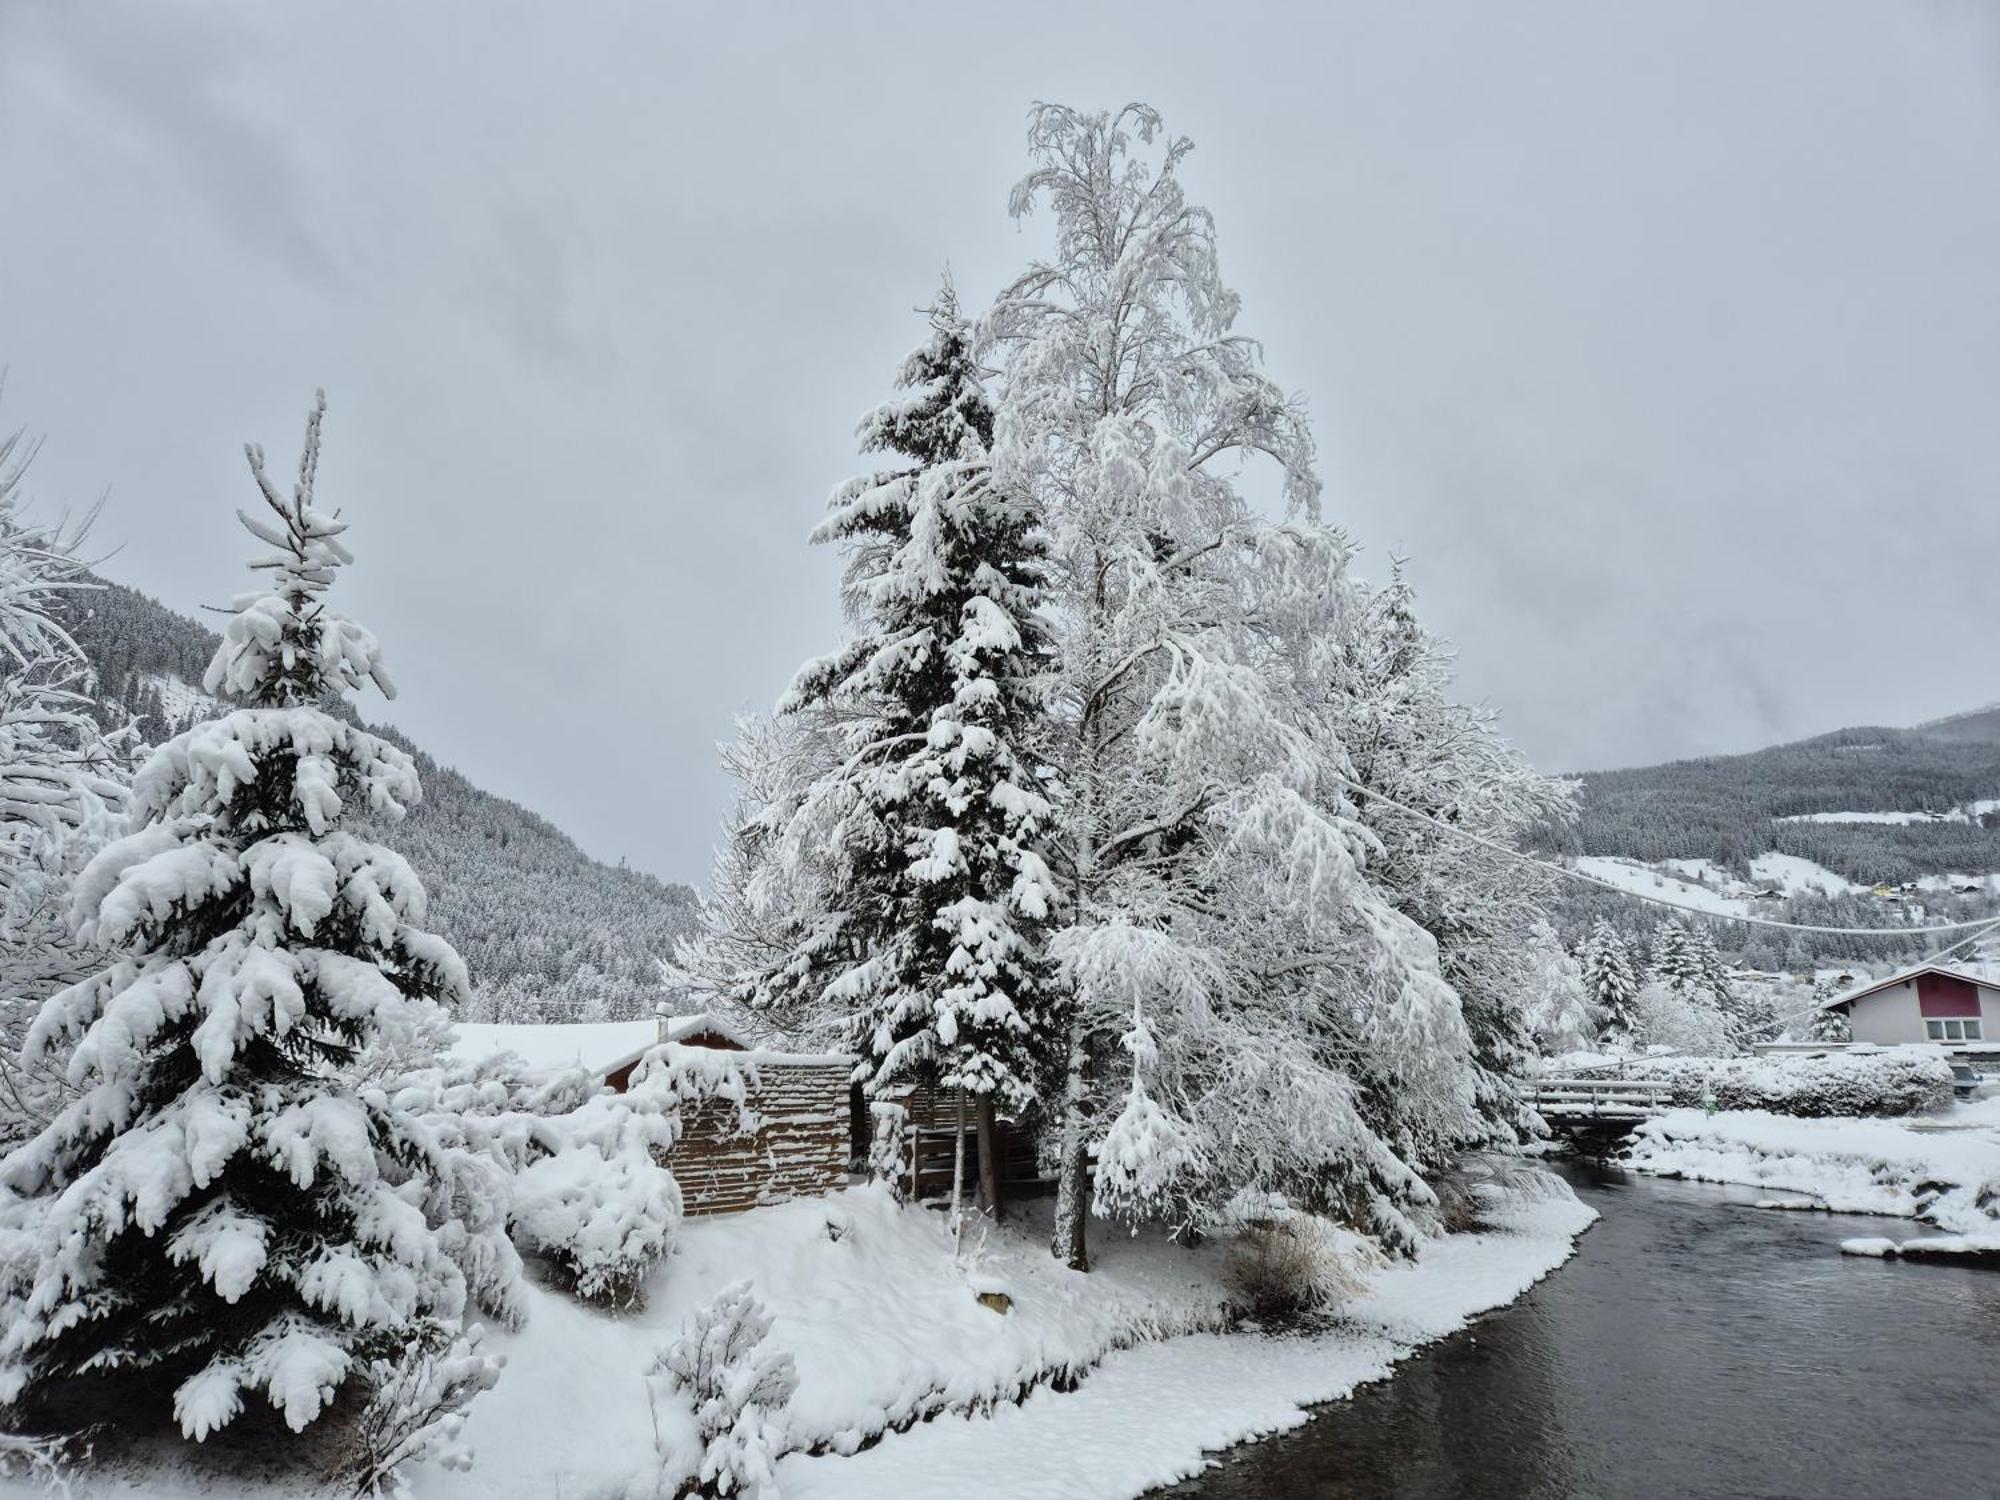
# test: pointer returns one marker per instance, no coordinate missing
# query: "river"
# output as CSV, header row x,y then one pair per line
x,y
1695,1346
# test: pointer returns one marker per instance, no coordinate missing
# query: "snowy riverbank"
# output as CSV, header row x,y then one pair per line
x,y
1152,1415
1128,1382
1943,1170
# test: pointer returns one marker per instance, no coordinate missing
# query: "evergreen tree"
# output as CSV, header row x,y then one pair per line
x,y
1610,983
1674,962
935,813
1711,974
223,1209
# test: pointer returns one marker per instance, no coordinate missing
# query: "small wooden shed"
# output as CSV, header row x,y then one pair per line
x,y
757,1126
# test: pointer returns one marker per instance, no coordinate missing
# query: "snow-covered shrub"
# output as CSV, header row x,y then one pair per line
x,y
600,1206
1472,1186
1298,1264
739,1391
571,1171
223,1209
887,1160
416,1406
1900,1081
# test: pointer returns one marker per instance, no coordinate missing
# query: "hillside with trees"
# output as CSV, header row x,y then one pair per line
x,y
548,932
1731,808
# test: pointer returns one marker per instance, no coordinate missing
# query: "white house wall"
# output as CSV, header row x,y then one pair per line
x,y
1890,1016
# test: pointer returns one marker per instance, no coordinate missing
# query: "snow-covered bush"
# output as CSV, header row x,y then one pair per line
x,y
599,1206
888,1161
1475,1183
570,1170
739,1391
1298,1264
1900,1081
224,1208
416,1409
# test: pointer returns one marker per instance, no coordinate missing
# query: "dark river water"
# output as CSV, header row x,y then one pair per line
x,y
1693,1347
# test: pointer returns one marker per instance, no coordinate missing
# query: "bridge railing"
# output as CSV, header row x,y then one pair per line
x,y
1600,1098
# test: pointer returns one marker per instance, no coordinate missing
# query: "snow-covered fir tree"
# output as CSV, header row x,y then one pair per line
x,y
936,810
223,1210
1674,961
1227,955
1610,982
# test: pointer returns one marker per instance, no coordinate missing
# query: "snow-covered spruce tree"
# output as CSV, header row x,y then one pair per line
x,y
1225,953
1674,962
935,814
1610,983
222,1210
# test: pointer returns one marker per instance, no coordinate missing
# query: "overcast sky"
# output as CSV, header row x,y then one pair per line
x,y
1663,341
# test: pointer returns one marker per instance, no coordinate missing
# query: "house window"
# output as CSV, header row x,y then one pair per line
x,y
1953,1031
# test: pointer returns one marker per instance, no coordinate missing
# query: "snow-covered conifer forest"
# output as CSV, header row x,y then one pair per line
x,y
1126,942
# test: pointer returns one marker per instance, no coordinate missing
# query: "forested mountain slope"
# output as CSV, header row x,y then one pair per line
x,y
548,932
1731,808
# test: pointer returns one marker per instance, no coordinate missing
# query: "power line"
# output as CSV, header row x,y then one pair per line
x,y
1585,878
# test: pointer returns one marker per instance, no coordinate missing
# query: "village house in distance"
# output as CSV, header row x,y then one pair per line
x,y
1929,1003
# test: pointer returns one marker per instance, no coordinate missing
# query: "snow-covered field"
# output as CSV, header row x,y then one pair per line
x,y
1943,1169
1970,812
1645,880
886,1331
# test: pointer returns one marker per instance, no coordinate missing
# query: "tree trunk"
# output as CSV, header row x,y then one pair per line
x,y
989,1162
958,1176
1073,1182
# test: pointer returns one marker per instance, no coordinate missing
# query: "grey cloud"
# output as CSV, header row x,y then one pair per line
x,y
1662,341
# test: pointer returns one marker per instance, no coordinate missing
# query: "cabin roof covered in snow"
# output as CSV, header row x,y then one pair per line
x,y
599,1046
1848,997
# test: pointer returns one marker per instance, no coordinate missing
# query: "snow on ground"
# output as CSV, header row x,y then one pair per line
x,y
1630,875
1969,812
886,1331
1151,1415
1792,874
1944,1169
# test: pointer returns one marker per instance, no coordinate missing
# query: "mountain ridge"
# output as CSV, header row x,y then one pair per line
x,y
548,932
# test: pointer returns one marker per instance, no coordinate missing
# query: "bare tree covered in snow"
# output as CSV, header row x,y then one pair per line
x,y
1414,759
1559,1012
1228,954
63,782
222,1210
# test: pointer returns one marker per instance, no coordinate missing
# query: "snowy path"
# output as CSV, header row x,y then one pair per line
x,y
1151,1415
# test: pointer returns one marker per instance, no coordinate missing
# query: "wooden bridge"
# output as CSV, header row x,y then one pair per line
x,y
1598,1105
